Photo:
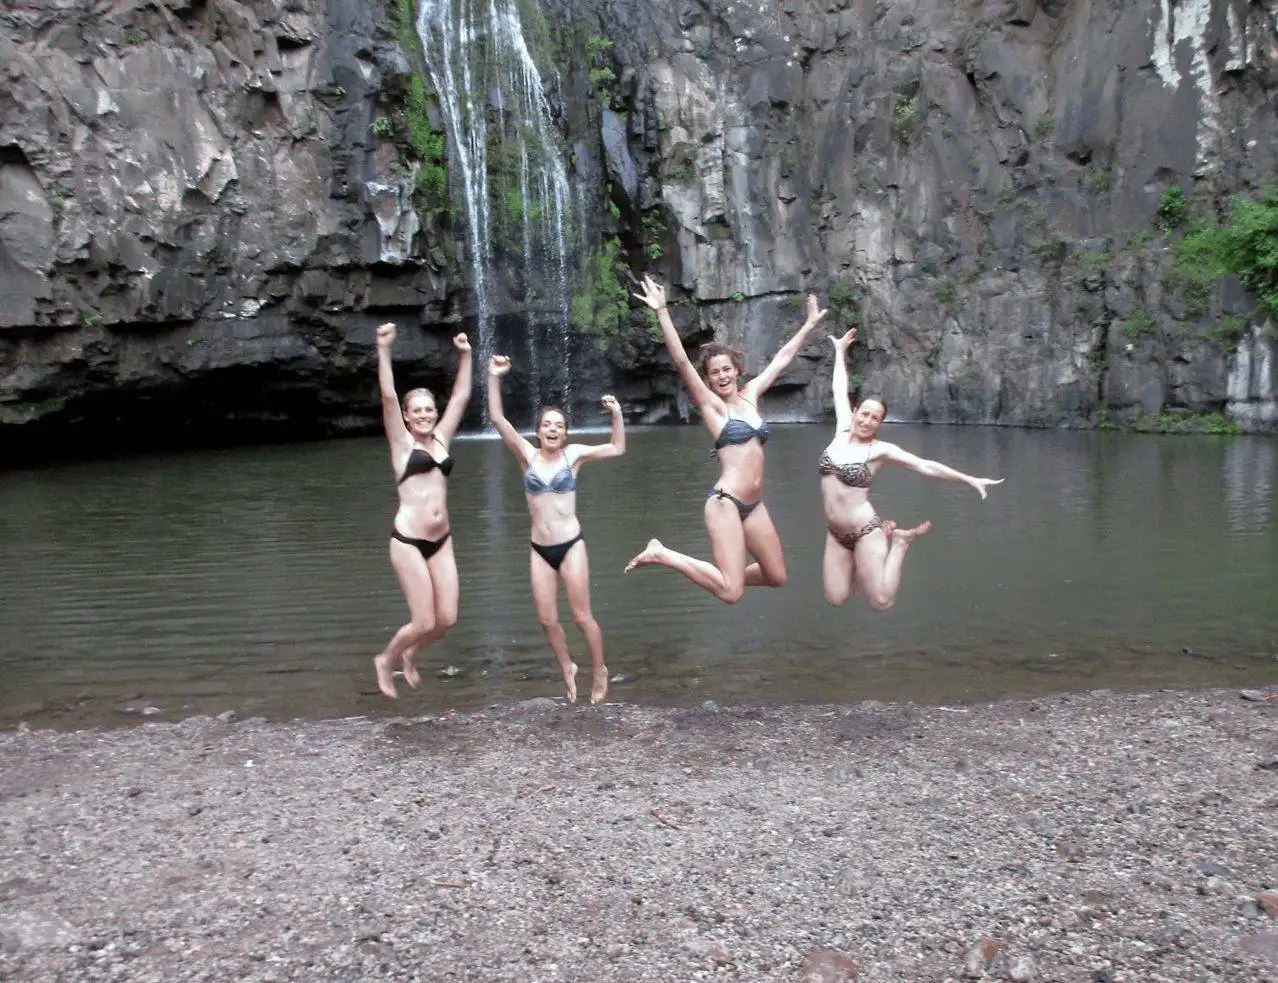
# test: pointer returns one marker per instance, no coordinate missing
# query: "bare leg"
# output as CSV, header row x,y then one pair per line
x,y
545,590
575,571
879,561
415,580
725,577
764,545
838,571
443,575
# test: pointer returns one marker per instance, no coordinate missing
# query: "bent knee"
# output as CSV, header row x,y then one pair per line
x,y
421,627
778,578
837,598
444,620
584,619
548,622
732,593
880,603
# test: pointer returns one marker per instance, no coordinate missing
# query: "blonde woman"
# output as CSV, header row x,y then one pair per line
x,y
421,546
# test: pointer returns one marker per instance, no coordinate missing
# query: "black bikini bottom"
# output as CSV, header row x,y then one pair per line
x,y
743,509
554,555
848,540
427,547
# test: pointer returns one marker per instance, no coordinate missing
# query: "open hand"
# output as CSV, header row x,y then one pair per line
x,y
385,335
461,342
980,484
844,343
654,294
498,365
610,404
815,313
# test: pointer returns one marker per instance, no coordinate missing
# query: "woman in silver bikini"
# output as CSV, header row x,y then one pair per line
x,y
737,521
558,551
862,551
421,550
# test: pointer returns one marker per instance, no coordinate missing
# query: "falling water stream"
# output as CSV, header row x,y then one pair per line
x,y
507,164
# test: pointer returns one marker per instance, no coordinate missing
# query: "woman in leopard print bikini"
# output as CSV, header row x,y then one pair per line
x,y
862,551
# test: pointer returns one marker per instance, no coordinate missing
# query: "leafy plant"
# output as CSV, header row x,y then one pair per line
x,y
1138,324
904,116
383,126
1172,209
737,297
1043,127
1228,330
1246,247
601,305
597,45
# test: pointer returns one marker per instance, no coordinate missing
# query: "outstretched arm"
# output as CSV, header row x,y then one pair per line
x,y
654,295
839,384
934,469
615,447
392,418
456,409
498,366
785,355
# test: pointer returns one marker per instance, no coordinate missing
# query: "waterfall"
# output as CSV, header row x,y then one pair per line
x,y
507,164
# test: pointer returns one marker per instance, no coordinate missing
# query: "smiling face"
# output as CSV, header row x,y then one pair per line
x,y
420,413
552,429
721,375
866,419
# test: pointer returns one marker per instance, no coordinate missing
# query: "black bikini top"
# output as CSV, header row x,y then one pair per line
x,y
419,462
856,475
738,431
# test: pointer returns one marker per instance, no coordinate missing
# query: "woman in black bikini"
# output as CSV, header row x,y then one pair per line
x,y
862,551
737,521
421,550
558,551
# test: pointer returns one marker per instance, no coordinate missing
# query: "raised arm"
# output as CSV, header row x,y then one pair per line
x,y
785,355
933,469
839,384
654,295
392,417
498,366
615,447
456,409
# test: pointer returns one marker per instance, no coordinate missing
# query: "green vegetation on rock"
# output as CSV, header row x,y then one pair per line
x,y
601,303
1246,246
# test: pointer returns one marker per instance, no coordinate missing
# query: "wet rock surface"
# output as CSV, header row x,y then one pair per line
x,y
509,845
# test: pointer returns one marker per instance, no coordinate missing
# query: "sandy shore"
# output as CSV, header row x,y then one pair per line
x,y
1097,837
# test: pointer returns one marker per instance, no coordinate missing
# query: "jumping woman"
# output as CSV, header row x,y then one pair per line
x,y
862,551
558,550
421,550
737,521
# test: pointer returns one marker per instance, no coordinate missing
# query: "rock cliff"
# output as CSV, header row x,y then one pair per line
x,y
202,215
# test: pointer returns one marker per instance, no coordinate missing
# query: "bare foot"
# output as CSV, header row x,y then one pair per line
x,y
599,685
904,537
570,682
410,669
649,555
385,682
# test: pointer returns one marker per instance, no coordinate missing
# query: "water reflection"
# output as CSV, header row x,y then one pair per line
x,y
258,579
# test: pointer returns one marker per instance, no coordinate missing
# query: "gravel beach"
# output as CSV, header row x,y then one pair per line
x,y
1097,837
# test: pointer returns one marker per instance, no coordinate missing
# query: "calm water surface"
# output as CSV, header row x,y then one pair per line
x,y
258,580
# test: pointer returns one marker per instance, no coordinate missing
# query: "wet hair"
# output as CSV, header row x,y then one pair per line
x,y
408,398
873,399
713,349
541,415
